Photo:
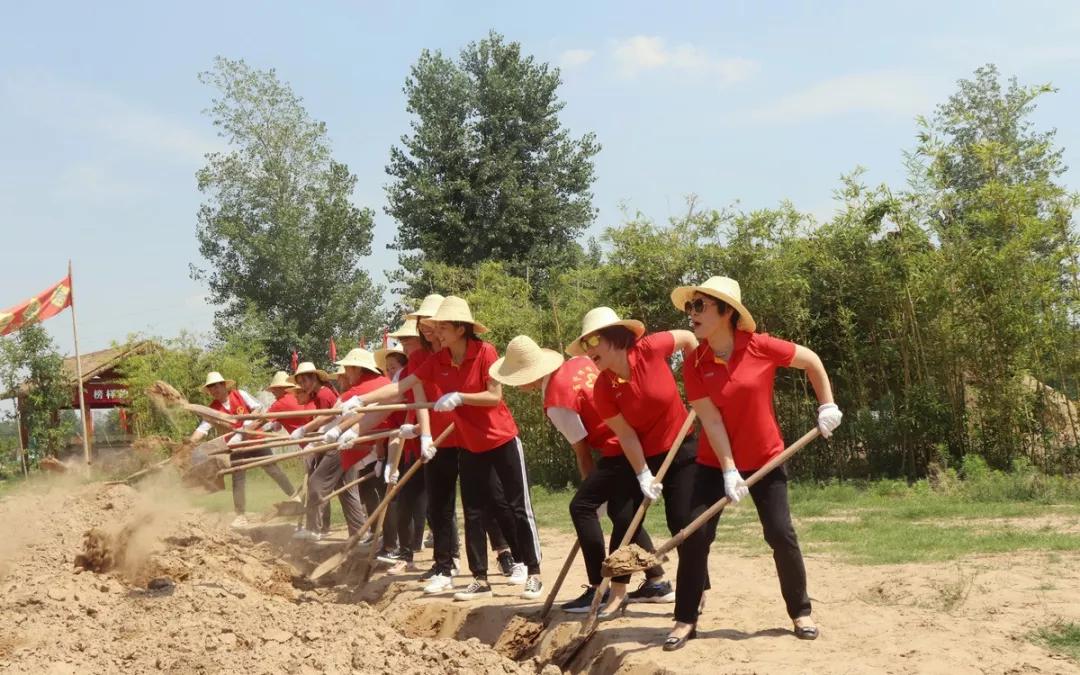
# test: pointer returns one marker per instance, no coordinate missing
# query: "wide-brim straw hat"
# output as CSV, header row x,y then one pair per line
x,y
525,362
721,288
427,307
407,329
381,353
597,319
359,358
308,368
214,377
281,380
454,308
339,373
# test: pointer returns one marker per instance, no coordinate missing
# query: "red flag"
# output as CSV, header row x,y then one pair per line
x,y
362,346
44,305
385,338
333,350
295,360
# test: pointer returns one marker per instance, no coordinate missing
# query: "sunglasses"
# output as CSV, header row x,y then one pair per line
x,y
591,341
697,306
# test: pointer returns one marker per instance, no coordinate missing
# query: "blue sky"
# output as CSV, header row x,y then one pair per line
x,y
101,123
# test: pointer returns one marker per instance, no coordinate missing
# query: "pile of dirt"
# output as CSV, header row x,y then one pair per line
x,y
627,560
105,579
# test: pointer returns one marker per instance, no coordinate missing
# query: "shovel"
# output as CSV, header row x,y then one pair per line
x,y
263,461
571,649
633,558
338,559
523,632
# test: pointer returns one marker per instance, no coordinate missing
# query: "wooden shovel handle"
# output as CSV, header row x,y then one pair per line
x,y
306,451
347,486
286,414
561,578
696,524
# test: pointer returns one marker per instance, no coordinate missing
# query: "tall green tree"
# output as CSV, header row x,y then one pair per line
x,y
488,172
30,358
281,238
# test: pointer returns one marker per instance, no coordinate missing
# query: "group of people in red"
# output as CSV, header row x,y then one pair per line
x,y
616,402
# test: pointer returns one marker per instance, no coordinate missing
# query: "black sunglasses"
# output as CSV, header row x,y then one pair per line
x,y
697,306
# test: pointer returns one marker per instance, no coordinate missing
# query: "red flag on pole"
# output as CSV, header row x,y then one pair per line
x,y
295,360
333,350
362,345
44,305
385,338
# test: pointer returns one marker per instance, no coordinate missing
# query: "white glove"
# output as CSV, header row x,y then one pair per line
x,y
270,426
409,430
649,487
427,450
233,440
448,402
379,464
351,404
297,433
332,435
734,486
828,418
390,475
347,439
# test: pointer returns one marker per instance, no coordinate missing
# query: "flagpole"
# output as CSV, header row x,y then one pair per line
x,y
78,370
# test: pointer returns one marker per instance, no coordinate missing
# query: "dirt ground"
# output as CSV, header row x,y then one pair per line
x,y
178,592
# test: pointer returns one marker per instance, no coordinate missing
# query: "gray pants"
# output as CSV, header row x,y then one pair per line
x,y
327,477
239,479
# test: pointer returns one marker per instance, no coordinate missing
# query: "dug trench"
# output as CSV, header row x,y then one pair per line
x,y
97,578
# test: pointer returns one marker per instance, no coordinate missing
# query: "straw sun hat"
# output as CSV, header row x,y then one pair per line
x,y
407,329
281,381
454,308
721,288
214,377
308,368
339,373
525,362
381,353
359,358
427,308
597,319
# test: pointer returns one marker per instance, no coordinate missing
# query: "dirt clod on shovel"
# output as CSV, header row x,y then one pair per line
x,y
518,637
164,395
627,560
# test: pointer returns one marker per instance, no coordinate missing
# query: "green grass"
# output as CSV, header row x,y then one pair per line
x,y
1063,637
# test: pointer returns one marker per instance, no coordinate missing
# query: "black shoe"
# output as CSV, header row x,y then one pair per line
x,y
583,603
426,576
673,643
506,563
652,591
388,557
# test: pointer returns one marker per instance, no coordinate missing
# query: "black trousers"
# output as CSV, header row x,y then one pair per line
x,y
508,462
770,497
611,482
239,479
407,508
440,481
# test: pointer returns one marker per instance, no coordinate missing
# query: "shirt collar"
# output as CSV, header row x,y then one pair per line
x,y
472,349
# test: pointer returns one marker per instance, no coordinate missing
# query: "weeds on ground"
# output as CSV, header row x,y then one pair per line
x,y
953,594
1062,637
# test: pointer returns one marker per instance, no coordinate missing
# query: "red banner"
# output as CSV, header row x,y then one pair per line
x,y
103,395
43,306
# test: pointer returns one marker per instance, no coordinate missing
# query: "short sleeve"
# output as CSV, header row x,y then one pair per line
x,y
604,400
660,344
487,357
780,352
250,401
203,428
695,387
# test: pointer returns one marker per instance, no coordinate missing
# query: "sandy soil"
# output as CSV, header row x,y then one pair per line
x,y
178,592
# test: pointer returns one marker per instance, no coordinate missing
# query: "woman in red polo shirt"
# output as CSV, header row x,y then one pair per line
x,y
729,381
638,399
490,441
567,391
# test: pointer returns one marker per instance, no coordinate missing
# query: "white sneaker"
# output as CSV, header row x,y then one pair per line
x,y
476,590
534,588
454,571
401,567
240,521
306,535
440,583
518,574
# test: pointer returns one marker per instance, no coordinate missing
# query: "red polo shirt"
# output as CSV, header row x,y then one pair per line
x,y
649,401
325,398
742,390
439,421
288,403
572,386
481,428
368,382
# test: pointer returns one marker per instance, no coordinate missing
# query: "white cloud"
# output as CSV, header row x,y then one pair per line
x,y
71,106
883,92
644,53
572,58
